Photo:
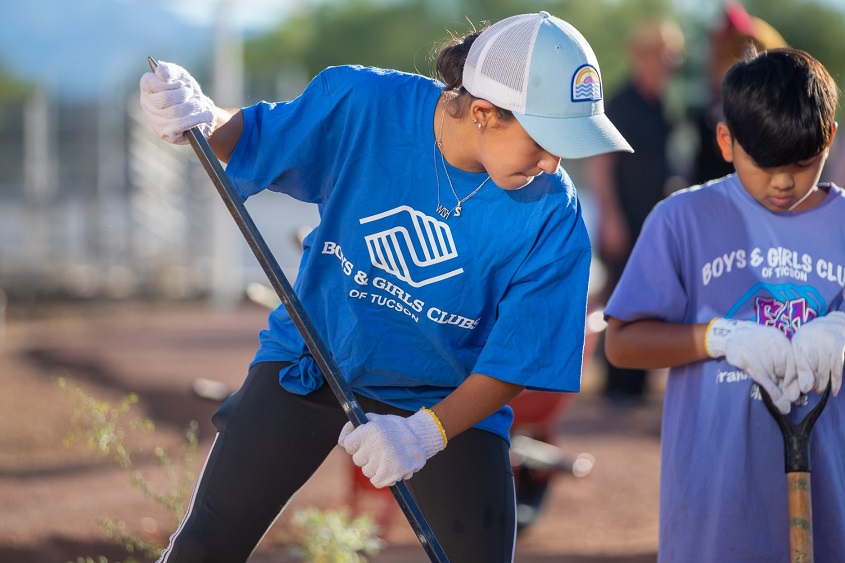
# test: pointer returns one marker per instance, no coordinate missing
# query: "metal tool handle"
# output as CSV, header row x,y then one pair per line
x,y
796,437
304,326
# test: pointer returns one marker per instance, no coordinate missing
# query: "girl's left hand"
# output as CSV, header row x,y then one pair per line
x,y
391,448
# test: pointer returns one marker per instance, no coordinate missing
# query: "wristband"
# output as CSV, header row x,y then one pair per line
x,y
707,333
437,422
718,332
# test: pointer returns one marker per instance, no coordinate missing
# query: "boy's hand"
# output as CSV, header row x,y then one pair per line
x,y
763,352
819,347
391,448
173,103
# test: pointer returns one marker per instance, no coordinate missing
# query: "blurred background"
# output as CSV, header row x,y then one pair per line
x,y
120,267
93,206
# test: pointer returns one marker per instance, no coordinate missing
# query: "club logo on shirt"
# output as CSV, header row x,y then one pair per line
x,y
783,306
412,246
785,316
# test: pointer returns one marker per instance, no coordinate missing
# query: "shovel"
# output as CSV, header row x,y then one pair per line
x,y
319,351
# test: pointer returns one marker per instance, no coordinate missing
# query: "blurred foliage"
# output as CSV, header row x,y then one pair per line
x,y
808,25
406,35
334,536
13,89
105,427
318,536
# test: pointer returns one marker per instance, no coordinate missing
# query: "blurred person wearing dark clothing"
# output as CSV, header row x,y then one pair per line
x,y
835,169
626,187
734,36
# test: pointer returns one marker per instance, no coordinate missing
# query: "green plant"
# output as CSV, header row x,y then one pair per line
x,y
332,536
103,427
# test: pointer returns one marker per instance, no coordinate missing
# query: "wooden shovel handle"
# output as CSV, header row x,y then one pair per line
x,y
800,517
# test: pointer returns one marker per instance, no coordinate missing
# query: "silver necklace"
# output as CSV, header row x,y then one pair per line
x,y
442,210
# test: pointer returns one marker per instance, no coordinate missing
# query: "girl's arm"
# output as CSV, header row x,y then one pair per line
x,y
388,448
651,344
475,399
228,126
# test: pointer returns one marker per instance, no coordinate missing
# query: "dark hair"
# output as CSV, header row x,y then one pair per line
x,y
780,106
450,61
449,69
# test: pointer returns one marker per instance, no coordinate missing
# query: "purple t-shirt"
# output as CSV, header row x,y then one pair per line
x,y
711,251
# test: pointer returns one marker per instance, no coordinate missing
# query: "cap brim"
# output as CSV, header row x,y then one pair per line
x,y
574,137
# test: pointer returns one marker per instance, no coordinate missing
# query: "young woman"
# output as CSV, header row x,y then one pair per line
x,y
448,273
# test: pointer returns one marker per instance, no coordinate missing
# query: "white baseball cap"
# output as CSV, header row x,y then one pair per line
x,y
543,70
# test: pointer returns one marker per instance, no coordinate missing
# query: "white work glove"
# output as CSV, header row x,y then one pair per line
x,y
391,448
173,103
763,352
819,347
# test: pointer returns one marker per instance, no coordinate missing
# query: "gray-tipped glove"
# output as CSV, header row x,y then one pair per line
x,y
763,352
819,347
391,448
173,103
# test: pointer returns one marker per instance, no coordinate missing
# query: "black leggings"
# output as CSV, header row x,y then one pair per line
x,y
270,442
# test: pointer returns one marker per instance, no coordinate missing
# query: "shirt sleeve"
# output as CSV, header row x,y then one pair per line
x,y
538,338
281,142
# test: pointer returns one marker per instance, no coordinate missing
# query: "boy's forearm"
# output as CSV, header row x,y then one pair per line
x,y
654,344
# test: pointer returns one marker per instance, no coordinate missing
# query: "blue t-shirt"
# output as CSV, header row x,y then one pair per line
x,y
408,303
714,251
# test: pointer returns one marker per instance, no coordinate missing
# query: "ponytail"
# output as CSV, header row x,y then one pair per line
x,y
450,61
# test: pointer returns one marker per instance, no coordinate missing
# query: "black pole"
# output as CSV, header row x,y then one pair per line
x,y
306,329
796,436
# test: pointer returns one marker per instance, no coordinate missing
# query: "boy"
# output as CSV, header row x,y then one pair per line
x,y
722,277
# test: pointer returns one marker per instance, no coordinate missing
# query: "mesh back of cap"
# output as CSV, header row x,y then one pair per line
x,y
505,58
497,65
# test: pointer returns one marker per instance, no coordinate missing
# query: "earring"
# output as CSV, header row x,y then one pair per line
x,y
475,121
479,127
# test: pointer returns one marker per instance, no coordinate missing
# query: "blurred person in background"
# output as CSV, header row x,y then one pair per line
x,y
734,36
626,186
835,169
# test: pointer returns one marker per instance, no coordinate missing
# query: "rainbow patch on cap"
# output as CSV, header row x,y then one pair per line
x,y
586,84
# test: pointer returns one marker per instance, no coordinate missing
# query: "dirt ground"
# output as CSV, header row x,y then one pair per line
x,y
51,494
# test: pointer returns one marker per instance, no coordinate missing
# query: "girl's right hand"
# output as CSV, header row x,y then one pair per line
x,y
173,103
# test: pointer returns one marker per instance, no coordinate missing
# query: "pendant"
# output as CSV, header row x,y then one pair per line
x,y
443,212
458,210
